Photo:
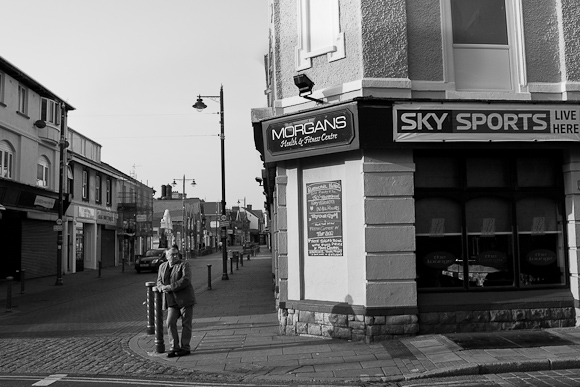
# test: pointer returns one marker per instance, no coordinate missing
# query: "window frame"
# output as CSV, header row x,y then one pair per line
x,y
22,99
108,191
516,47
6,154
2,88
43,163
303,52
85,185
98,193
50,111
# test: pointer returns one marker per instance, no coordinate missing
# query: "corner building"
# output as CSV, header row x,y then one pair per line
x,y
430,183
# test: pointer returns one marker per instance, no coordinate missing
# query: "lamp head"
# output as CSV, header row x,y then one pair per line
x,y
304,84
193,183
199,105
174,183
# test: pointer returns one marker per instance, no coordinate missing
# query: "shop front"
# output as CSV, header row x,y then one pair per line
x,y
397,218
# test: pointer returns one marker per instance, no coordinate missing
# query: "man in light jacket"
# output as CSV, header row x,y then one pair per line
x,y
174,280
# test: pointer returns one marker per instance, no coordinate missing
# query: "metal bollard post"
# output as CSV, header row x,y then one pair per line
x,y
242,258
9,293
22,272
232,265
100,264
159,344
150,308
208,277
237,263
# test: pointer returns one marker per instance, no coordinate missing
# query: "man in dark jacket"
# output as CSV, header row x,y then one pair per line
x,y
174,280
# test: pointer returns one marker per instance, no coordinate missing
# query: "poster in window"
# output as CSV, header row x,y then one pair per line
x,y
324,218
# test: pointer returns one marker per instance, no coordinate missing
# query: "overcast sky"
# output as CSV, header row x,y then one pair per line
x,y
133,68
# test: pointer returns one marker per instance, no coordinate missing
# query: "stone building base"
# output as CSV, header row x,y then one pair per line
x,y
496,320
356,327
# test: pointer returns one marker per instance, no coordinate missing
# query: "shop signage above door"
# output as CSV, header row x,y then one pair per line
x,y
418,122
308,134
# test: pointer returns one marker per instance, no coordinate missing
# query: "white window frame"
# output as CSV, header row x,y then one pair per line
x,y
516,47
108,193
304,53
22,99
98,193
85,185
6,160
50,111
44,165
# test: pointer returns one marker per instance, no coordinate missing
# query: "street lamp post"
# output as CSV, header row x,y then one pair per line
x,y
62,144
184,222
199,106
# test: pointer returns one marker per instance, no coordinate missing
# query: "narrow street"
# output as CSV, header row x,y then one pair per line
x,y
84,326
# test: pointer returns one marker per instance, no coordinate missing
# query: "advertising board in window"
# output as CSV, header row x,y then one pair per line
x,y
324,218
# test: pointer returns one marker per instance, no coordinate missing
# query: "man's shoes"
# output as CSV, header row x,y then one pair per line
x,y
183,352
172,354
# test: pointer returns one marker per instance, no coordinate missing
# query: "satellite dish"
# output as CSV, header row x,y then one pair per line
x,y
40,124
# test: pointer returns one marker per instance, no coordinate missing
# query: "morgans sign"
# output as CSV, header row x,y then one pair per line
x,y
308,133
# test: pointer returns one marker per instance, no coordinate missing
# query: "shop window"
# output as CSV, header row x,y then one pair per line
x,y
487,172
42,169
482,48
500,227
6,160
436,172
318,32
540,233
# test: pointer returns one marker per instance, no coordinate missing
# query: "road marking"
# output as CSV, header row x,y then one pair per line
x,y
49,380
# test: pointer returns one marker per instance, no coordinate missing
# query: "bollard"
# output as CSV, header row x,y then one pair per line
x,y
100,269
232,265
242,258
159,344
150,308
208,277
9,294
236,259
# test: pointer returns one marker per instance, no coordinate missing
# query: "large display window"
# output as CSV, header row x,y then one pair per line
x,y
489,222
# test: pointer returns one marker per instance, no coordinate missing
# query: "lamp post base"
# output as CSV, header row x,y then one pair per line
x,y
225,277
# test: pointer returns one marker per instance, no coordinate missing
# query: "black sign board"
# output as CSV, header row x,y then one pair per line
x,y
324,218
293,136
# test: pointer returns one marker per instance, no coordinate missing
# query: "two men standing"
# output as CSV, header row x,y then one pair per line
x,y
174,281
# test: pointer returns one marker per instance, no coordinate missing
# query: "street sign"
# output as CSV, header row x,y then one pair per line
x,y
224,224
223,218
57,227
59,221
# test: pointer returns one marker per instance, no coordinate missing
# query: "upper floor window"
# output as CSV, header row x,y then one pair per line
x,y
42,172
50,111
98,188
483,49
85,185
6,160
318,32
2,79
70,180
108,193
22,99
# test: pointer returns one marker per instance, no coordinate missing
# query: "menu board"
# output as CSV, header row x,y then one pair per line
x,y
324,218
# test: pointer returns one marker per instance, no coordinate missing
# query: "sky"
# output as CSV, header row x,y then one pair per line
x,y
132,69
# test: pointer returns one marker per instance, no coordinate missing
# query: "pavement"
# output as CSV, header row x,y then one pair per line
x,y
235,333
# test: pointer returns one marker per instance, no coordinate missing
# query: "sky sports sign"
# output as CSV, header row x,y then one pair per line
x,y
465,122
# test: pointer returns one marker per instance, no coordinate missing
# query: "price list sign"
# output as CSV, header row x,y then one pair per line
x,y
324,218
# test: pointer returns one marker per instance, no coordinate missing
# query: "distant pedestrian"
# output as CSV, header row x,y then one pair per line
x,y
174,280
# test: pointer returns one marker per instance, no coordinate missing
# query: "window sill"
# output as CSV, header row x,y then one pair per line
x,y
22,115
2,104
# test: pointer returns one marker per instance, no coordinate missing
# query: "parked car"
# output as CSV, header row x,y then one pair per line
x,y
151,260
